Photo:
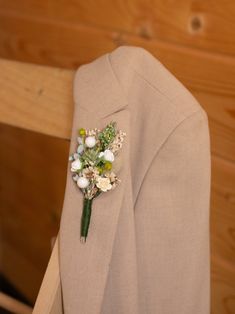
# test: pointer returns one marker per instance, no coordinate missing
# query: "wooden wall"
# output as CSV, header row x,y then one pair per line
x,y
193,39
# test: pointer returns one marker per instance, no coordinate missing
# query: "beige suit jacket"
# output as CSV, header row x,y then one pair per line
x,y
147,250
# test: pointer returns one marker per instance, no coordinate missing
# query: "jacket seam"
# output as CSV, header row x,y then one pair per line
x,y
164,143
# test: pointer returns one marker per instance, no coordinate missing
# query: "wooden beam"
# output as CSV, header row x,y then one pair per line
x,y
13,305
37,98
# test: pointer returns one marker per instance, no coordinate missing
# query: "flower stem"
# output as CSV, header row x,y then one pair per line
x,y
86,215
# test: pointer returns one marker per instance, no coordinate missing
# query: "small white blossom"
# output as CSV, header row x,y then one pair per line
x,y
107,155
76,165
101,154
103,184
90,141
90,172
92,132
80,148
75,155
118,141
82,182
80,140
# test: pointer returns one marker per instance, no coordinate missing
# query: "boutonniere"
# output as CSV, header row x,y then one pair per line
x,y
92,164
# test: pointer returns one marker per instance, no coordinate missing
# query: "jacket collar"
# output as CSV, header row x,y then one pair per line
x,y
96,88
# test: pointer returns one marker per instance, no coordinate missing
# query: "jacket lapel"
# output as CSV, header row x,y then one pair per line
x,y
84,267
96,88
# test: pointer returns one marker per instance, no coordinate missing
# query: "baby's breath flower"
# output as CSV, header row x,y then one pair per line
x,y
92,132
117,142
90,172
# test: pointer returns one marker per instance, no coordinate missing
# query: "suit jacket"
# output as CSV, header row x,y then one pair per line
x,y
147,250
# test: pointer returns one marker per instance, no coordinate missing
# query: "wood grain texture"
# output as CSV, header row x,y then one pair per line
x,y
13,306
221,112
201,24
36,98
194,39
32,182
222,236
70,46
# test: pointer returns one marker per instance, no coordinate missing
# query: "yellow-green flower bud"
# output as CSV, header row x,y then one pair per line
x,y
82,131
108,165
100,169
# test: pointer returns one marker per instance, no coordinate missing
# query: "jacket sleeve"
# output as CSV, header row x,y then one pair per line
x,y
173,220
49,299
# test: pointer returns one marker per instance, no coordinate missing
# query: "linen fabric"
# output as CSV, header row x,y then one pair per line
x,y
148,246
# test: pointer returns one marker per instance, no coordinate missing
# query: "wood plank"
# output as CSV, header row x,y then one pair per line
x,y
26,278
37,98
23,39
201,24
223,215
77,45
221,112
13,306
32,181
222,288
222,236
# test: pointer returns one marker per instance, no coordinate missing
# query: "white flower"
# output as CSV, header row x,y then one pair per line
x,y
82,182
80,140
103,184
80,149
76,165
90,141
90,172
101,154
107,154
75,156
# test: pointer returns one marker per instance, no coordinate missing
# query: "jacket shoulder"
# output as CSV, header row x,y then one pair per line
x,y
135,60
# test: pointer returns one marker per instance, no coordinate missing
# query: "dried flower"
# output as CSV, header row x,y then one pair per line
x,y
92,165
103,184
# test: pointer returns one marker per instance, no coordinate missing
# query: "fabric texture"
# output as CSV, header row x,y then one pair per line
x,y
148,248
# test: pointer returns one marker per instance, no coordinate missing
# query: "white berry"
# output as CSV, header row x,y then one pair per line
x,y
108,155
82,182
76,165
90,141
